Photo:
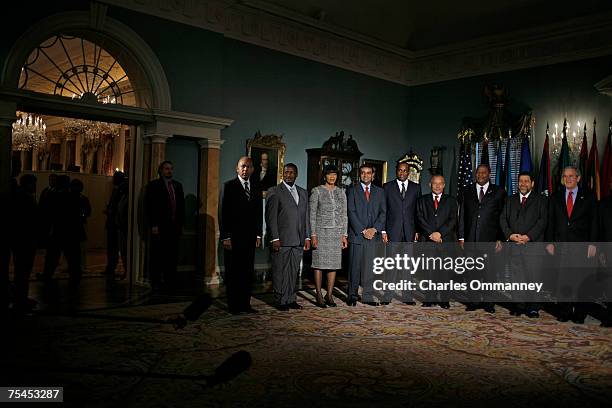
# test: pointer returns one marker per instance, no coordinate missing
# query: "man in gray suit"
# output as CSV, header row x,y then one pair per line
x,y
366,215
288,227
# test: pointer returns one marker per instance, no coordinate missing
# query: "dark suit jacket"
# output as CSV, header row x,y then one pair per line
x,y
241,218
581,227
401,214
442,220
157,206
605,219
479,222
530,220
284,219
364,214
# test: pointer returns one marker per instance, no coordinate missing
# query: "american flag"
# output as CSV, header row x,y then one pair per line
x,y
464,172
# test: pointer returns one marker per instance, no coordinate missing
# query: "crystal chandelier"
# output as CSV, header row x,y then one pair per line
x,y
29,132
92,131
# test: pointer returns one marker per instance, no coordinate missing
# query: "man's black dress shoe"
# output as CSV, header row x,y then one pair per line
x,y
444,305
471,307
351,302
578,320
283,308
250,310
563,318
489,308
427,304
411,303
384,303
295,306
532,314
372,303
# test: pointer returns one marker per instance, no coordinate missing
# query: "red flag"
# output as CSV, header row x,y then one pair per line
x,y
606,166
592,181
583,158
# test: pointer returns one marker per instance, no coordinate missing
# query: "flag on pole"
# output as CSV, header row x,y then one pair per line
x,y
564,157
526,163
499,166
592,174
508,169
464,172
484,159
606,165
544,178
583,158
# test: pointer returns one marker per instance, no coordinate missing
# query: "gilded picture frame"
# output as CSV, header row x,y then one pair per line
x,y
268,154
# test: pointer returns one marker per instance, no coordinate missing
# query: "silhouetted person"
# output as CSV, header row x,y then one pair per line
x,y
76,188
121,223
65,232
6,201
165,217
112,233
23,233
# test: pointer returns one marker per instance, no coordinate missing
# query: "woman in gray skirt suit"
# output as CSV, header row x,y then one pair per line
x,y
328,223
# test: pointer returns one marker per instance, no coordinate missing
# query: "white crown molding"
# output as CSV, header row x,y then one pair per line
x,y
276,28
605,86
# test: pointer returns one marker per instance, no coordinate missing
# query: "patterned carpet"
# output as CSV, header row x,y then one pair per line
x,y
394,355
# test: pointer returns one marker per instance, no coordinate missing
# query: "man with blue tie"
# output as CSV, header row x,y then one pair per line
x,y
366,215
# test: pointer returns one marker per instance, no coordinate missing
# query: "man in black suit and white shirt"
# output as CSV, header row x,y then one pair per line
x,y
437,219
165,213
400,200
572,217
241,224
524,220
288,224
480,205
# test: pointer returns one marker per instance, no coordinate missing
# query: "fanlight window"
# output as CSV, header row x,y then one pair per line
x,y
76,68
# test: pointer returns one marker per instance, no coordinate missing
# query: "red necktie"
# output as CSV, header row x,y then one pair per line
x,y
436,202
523,200
367,193
172,199
570,204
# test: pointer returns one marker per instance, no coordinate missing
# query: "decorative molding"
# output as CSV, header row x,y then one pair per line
x,y
158,138
273,27
210,143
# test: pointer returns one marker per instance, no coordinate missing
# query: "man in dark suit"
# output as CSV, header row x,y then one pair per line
x,y
572,217
437,219
288,224
524,220
165,211
366,215
241,223
480,205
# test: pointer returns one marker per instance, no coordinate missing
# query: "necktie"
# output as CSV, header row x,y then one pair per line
x,y
523,201
367,193
294,193
247,190
481,195
570,204
403,191
436,202
172,200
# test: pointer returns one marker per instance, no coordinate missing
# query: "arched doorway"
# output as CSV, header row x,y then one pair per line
x,y
91,82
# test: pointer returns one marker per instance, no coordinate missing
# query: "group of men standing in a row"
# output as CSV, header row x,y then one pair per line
x,y
397,212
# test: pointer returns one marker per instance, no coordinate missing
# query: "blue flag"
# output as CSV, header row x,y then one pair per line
x,y
526,163
508,170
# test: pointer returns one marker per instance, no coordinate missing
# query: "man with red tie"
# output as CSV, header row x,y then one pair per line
x,y
165,215
572,217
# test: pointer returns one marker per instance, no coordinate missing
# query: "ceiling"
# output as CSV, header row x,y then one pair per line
x,y
420,25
